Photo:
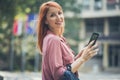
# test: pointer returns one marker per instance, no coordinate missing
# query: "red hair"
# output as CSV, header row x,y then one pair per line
x,y
41,26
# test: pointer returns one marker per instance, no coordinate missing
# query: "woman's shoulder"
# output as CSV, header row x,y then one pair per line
x,y
52,38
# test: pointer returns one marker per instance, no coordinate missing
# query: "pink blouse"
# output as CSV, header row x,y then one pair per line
x,y
56,55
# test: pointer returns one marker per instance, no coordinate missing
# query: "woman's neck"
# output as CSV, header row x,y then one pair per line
x,y
56,32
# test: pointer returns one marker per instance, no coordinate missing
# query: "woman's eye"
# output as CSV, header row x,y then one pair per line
x,y
59,13
52,15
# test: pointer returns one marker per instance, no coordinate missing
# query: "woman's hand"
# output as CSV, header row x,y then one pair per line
x,y
89,51
85,54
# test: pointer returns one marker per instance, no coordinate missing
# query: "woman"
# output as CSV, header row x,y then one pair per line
x,y
57,57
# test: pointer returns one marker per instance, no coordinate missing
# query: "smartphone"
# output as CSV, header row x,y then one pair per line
x,y
94,38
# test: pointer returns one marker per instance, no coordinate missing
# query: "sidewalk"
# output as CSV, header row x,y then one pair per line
x,y
21,75
99,76
37,76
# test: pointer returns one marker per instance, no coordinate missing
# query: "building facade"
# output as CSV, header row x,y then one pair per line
x,y
102,16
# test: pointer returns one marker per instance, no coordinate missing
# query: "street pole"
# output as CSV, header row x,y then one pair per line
x,y
23,59
12,53
36,65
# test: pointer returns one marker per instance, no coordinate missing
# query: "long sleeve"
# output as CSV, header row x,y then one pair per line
x,y
55,58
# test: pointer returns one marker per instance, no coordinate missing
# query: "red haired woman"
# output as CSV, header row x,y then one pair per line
x,y
58,60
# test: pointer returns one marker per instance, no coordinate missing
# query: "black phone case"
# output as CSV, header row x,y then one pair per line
x,y
94,37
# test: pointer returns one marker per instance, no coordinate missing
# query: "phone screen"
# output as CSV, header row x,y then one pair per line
x,y
94,38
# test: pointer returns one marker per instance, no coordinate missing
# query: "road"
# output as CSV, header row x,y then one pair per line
x,y
37,76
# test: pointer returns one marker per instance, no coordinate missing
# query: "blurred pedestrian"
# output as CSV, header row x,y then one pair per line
x,y
58,59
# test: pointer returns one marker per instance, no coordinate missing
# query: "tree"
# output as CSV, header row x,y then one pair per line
x,y
9,9
7,12
70,5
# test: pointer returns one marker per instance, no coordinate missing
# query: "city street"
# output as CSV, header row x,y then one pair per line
x,y
37,76
25,24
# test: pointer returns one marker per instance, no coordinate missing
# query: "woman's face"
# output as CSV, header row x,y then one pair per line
x,y
55,18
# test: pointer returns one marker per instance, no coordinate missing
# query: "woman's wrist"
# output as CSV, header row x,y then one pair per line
x,y
81,60
76,64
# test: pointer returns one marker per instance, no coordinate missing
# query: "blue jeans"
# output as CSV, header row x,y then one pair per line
x,y
68,75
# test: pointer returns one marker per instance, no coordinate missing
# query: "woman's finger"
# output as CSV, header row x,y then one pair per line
x,y
96,45
94,52
90,44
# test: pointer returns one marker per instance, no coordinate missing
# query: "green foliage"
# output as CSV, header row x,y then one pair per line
x,y
72,32
9,9
70,5
7,12
32,5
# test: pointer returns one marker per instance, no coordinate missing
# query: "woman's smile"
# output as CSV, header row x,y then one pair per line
x,y
55,18
59,23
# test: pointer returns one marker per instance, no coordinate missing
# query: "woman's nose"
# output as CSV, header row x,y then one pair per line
x,y
58,17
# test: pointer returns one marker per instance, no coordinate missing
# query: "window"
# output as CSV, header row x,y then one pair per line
x,y
94,25
111,4
114,56
119,4
86,4
114,24
98,5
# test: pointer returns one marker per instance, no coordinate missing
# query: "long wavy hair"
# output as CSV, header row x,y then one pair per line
x,y
42,28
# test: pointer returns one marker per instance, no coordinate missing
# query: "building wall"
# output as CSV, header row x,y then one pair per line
x,y
104,15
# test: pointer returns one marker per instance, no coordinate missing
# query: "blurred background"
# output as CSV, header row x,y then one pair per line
x,y
18,52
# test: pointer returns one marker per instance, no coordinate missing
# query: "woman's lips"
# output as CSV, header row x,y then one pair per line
x,y
59,23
